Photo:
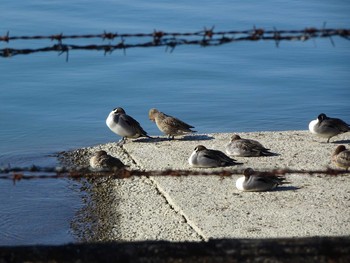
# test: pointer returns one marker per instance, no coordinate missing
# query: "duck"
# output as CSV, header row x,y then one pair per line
x,y
341,157
124,125
328,127
254,181
103,161
246,147
206,158
169,125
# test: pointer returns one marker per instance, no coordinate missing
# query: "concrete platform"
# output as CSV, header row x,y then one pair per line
x,y
204,207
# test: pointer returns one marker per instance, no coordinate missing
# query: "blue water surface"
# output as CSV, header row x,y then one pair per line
x,y
49,105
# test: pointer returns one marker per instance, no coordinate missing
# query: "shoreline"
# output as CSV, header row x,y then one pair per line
x,y
204,207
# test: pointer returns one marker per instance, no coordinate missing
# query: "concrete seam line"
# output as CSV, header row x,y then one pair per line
x,y
129,157
177,209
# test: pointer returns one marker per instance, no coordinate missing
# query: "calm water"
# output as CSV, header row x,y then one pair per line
x,y
48,105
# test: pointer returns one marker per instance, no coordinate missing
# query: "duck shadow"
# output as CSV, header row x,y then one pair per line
x,y
286,188
198,137
184,138
341,142
145,139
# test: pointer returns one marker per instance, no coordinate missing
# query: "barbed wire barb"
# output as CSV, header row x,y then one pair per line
x,y
330,37
276,37
171,44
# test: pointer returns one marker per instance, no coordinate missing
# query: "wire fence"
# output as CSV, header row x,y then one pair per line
x,y
34,172
169,40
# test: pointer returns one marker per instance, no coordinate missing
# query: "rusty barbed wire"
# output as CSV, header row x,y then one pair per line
x,y
170,40
34,172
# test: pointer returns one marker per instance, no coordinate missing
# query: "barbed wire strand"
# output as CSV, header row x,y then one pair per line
x,y
170,40
35,172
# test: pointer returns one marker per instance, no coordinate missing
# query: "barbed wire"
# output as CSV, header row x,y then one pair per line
x,y
34,172
170,40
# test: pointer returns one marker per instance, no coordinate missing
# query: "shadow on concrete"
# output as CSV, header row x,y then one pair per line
x,y
179,138
287,188
341,142
197,137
